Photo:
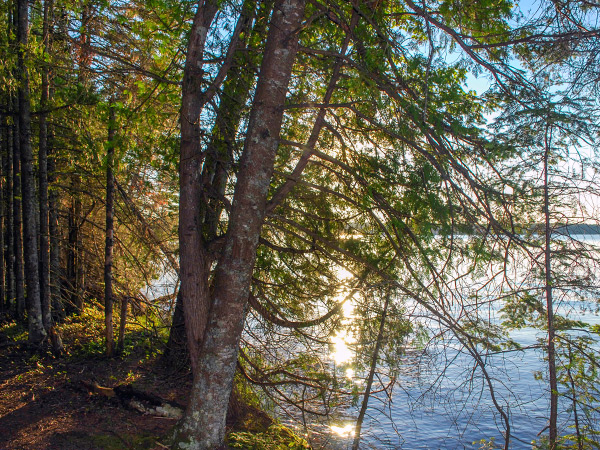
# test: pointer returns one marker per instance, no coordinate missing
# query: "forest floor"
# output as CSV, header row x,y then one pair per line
x,y
44,404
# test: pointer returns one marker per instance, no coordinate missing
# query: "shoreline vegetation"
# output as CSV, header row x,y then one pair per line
x,y
82,400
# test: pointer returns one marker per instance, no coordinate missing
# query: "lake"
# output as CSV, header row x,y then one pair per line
x,y
441,401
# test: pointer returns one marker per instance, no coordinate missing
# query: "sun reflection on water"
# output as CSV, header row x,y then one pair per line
x,y
345,431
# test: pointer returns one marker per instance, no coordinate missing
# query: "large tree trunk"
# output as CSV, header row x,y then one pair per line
x,y
108,252
203,426
219,152
194,263
36,327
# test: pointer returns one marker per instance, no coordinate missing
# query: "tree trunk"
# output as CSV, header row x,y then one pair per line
x,y
374,359
9,256
108,252
17,227
58,309
4,151
37,333
74,251
552,427
122,324
194,263
203,426
43,180
176,351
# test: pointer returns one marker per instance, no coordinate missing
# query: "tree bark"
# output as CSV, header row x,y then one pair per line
x,y
37,333
203,426
17,226
194,262
122,324
176,352
4,151
108,252
58,309
9,258
552,427
43,179
74,251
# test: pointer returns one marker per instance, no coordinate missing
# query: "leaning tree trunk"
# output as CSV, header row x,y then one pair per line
x,y
203,426
37,332
108,253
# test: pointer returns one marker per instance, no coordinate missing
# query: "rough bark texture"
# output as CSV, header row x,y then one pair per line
x,y
203,426
194,262
37,332
108,249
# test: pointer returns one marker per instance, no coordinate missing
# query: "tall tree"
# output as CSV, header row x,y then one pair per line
x,y
110,230
37,332
214,365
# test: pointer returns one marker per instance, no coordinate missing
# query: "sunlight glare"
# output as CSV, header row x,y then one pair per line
x,y
345,431
341,352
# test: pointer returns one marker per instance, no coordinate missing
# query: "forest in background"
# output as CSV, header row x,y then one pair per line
x,y
281,159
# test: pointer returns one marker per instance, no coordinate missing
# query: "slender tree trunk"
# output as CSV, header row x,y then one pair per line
x,y
203,426
37,332
4,151
17,226
122,324
374,359
74,253
9,256
58,309
108,252
43,179
553,429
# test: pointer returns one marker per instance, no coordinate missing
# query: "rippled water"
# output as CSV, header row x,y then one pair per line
x,y
456,411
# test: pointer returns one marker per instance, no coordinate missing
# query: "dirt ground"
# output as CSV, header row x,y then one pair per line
x,y
45,406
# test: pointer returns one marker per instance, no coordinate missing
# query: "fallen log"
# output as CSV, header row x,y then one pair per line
x,y
135,399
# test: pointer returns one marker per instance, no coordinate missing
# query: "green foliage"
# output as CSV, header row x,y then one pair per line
x,y
277,437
